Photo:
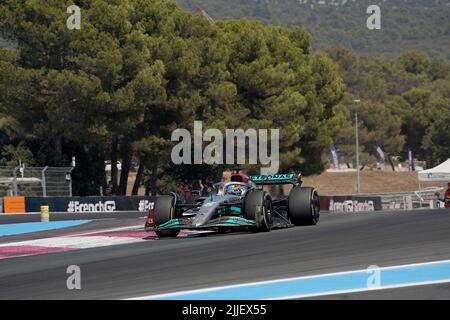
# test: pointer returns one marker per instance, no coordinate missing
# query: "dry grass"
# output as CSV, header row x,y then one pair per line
x,y
343,183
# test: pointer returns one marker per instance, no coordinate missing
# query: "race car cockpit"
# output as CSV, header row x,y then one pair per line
x,y
236,188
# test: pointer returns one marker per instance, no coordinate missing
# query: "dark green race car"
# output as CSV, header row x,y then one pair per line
x,y
240,204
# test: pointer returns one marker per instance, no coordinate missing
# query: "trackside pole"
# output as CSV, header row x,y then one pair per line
x,y
44,182
358,177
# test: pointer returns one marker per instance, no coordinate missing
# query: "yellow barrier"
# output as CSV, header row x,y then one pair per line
x,y
45,215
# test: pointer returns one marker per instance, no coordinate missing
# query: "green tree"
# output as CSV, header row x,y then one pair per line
x,y
139,69
436,142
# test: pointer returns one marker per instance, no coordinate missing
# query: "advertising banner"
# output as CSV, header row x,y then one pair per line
x,y
350,203
145,203
90,204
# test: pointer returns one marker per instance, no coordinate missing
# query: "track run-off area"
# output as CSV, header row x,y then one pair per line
x,y
407,252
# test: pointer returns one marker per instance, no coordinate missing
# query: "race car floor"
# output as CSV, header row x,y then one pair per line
x,y
146,266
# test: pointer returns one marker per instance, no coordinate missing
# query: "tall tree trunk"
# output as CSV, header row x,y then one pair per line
x,y
138,180
147,188
114,151
391,163
126,165
57,141
154,177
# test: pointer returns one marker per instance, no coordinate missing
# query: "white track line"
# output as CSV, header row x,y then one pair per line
x,y
397,286
172,294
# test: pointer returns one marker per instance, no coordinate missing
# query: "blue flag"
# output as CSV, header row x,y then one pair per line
x,y
410,161
334,156
381,154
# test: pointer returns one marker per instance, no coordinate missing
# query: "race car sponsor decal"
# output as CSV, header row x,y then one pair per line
x,y
275,178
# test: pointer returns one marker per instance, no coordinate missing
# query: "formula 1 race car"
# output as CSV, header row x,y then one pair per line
x,y
240,204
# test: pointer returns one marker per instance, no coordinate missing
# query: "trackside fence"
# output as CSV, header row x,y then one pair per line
x,y
36,181
425,198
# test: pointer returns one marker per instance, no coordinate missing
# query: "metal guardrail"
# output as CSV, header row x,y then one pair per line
x,y
36,181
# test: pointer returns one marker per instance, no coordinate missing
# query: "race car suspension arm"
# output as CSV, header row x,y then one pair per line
x,y
281,215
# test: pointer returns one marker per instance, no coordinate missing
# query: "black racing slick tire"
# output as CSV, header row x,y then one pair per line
x,y
258,207
164,212
303,206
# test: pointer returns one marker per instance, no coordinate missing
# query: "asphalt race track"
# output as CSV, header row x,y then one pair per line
x,y
341,242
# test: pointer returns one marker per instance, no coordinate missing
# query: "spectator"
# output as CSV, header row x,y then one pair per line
x,y
199,186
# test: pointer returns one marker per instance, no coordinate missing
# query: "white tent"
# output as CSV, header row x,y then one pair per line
x,y
439,173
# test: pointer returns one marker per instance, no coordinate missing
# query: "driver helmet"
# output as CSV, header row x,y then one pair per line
x,y
235,189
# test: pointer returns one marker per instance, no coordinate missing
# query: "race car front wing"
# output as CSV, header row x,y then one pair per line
x,y
221,222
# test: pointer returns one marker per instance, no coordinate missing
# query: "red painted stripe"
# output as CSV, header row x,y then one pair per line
x,y
123,234
132,234
14,251
21,251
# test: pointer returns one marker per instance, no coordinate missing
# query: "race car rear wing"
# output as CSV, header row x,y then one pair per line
x,y
287,178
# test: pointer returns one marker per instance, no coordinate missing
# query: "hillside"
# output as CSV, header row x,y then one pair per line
x,y
405,25
422,25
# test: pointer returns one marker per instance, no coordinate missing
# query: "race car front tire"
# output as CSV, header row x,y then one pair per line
x,y
164,212
259,201
303,206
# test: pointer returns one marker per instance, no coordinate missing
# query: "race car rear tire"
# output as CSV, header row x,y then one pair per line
x,y
303,206
164,212
259,200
